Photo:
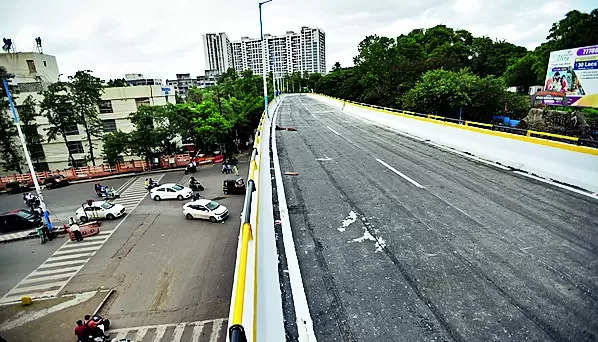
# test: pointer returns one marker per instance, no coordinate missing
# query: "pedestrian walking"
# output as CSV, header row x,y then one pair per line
x,y
235,170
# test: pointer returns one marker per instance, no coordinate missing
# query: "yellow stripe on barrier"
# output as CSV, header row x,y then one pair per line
x,y
240,290
528,138
553,135
475,123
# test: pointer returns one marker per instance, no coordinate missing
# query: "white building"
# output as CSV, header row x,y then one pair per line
x,y
33,72
139,79
184,82
288,53
114,110
217,51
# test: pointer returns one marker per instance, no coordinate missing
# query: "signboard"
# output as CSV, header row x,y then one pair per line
x,y
572,78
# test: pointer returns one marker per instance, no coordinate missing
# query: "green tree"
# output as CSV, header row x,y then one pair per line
x,y
58,107
117,82
9,149
86,92
153,133
27,116
115,144
336,66
521,72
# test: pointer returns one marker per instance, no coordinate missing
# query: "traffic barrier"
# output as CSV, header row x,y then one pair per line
x,y
485,126
87,172
243,315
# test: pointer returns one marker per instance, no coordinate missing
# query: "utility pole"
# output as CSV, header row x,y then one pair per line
x,y
264,65
38,190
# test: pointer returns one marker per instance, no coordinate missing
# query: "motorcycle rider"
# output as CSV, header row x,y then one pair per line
x,y
82,332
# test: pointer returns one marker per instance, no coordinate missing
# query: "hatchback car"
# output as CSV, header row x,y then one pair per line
x,y
171,191
20,219
205,209
54,182
99,210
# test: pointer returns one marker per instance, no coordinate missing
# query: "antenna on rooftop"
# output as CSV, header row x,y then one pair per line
x,y
8,46
38,45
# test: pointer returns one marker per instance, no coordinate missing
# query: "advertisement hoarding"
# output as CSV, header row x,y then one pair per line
x,y
572,78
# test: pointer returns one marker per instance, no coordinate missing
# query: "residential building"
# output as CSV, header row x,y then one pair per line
x,y
184,82
139,79
218,53
288,53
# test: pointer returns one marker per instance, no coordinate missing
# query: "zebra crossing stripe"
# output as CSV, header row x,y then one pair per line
x,y
57,271
177,333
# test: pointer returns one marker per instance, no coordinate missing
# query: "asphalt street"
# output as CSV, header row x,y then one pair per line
x,y
171,276
61,202
400,240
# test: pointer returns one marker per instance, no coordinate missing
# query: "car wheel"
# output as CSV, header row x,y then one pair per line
x,y
212,219
83,219
189,217
179,197
110,217
156,198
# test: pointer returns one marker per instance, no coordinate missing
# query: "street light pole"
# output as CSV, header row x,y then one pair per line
x,y
15,115
264,65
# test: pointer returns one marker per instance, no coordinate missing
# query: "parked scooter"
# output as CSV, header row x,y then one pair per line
x,y
195,185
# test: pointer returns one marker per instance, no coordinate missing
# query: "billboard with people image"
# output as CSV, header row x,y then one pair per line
x,y
572,78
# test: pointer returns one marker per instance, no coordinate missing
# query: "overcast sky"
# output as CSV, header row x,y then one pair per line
x,y
162,38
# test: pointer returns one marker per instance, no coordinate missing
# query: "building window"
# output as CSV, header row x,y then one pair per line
x,y
72,130
78,163
31,66
45,64
43,166
36,151
142,101
74,147
106,107
109,125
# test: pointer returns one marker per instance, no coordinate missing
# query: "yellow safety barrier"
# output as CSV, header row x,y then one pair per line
x,y
474,123
552,135
470,125
240,290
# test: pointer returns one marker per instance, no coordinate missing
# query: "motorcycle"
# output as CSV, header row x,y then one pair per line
x,y
103,324
190,169
196,186
108,193
152,184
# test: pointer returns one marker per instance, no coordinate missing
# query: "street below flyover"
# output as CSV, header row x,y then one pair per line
x,y
398,239
172,277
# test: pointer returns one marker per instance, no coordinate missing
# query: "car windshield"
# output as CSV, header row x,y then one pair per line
x,y
212,205
107,205
177,187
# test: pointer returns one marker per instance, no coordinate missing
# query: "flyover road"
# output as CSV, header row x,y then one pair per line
x,y
401,240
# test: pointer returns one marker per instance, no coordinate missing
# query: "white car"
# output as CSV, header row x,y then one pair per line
x,y
205,209
171,191
99,210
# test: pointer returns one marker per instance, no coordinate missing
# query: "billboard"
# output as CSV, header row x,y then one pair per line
x,y
572,78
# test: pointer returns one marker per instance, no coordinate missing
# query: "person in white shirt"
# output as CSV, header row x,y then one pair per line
x,y
74,227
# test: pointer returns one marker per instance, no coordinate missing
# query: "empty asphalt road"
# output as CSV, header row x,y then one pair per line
x,y
400,240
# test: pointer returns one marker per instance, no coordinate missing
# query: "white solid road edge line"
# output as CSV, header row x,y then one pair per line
x,y
305,326
400,174
548,181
